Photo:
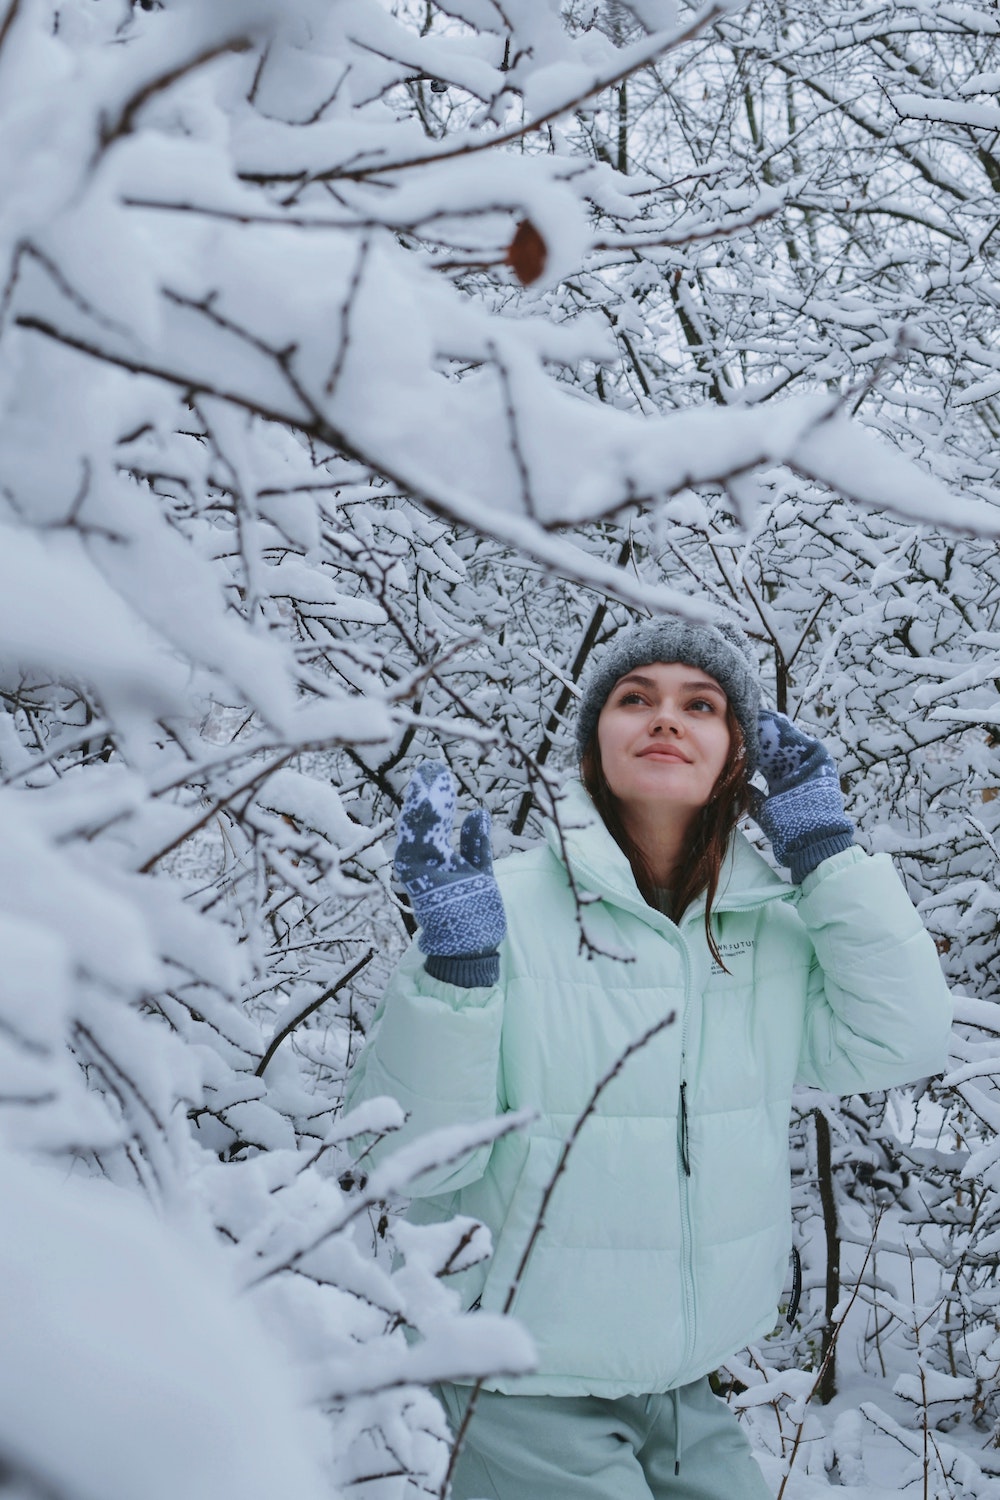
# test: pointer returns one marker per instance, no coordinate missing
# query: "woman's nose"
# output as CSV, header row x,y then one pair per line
x,y
665,720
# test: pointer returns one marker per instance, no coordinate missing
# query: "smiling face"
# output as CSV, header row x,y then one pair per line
x,y
664,738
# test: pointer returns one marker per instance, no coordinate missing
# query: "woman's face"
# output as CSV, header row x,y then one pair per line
x,y
663,736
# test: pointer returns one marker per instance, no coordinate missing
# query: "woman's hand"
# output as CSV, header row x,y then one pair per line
x,y
803,813
455,897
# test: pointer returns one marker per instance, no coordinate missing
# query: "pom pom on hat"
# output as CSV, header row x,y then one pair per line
x,y
721,649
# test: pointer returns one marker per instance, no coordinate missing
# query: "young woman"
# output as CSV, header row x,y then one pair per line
x,y
666,1242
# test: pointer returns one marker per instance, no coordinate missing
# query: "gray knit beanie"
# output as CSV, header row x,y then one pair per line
x,y
720,649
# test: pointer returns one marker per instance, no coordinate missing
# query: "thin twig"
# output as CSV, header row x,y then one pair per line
x,y
249,787
343,343
374,1194
699,23
314,1005
830,1351
539,1224
514,433
113,130
8,21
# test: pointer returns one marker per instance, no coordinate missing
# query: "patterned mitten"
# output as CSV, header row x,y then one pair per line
x,y
455,897
803,813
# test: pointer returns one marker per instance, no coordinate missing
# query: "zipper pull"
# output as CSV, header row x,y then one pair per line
x,y
793,1301
685,1158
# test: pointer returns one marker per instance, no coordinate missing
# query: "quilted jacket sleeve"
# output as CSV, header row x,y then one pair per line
x,y
435,1049
878,1010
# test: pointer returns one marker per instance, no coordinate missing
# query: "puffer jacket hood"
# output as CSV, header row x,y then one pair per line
x,y
581,841
666,1240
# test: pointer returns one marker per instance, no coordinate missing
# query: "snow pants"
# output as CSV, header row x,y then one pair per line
x,y
675,1445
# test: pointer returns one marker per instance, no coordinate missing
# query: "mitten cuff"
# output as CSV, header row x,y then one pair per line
x,y
801,862
469,971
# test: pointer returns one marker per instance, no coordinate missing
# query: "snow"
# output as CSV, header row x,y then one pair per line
x,y
57,612
129,1368
547,89
41,884
915,107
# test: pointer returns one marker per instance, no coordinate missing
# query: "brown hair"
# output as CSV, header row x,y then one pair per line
x,y
710,834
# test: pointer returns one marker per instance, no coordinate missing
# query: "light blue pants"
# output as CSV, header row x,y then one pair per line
x,y
589,1448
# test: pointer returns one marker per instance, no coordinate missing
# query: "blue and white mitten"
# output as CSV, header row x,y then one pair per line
x,y
455,898
803,814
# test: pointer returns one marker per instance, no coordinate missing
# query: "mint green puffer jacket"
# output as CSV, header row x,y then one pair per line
x,y
656,1262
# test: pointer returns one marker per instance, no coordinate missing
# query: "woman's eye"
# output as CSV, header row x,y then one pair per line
x,y
703,703
632,697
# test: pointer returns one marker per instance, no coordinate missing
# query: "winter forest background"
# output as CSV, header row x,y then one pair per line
x,y
363,363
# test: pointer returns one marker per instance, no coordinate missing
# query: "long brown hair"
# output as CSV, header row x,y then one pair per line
x,y
710,833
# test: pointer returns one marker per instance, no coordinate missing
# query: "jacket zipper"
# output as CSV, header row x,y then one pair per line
x,y
687,1236
683,1146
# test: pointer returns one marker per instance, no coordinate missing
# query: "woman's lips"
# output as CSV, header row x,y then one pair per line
x,y
664,753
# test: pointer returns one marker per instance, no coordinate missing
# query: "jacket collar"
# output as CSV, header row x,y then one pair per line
x,y
599,866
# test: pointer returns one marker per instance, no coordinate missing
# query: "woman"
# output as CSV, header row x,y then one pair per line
x,y
666,1240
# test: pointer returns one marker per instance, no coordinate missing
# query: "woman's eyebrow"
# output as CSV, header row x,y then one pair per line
x,y
701,685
